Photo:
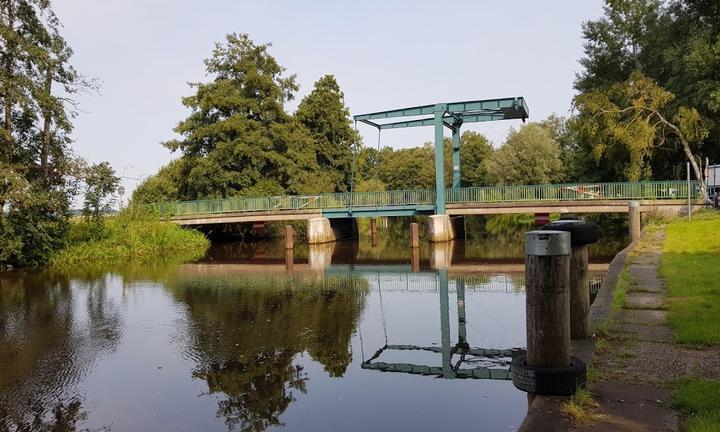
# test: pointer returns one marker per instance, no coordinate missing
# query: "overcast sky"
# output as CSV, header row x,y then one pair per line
x,y
384,55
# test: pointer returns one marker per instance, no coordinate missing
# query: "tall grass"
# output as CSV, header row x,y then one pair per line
x,y
134,236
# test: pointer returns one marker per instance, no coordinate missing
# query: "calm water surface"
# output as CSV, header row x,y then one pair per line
x,y
344,337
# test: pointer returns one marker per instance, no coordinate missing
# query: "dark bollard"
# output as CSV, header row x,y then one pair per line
x,y
289,237
414,235
548,368
547,279
581,235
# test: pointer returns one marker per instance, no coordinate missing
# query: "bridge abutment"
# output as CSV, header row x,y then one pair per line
x,y
440,228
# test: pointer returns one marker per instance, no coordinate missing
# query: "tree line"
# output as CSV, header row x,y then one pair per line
x,y
648,98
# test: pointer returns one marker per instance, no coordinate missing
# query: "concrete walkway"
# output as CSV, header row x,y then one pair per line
x,y
637,363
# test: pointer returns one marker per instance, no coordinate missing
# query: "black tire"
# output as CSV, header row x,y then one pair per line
x,y
548,381
581,232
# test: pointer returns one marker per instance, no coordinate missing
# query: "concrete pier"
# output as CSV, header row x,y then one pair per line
x,y
440,228
319,231
323,230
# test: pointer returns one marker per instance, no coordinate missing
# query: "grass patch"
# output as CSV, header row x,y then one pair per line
x,y
698,399
621,289
690,268
581,408
135,236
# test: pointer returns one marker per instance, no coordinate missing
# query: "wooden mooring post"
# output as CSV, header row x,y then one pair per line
x,y
414,235
582,234
289,237
547,276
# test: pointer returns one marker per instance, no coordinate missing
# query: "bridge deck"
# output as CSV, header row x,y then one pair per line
x,y
577,198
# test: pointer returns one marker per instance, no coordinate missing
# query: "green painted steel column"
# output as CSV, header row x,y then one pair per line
x,y
439,160
445,324
456,182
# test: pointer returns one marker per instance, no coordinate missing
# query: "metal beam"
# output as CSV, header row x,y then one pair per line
x,y
448,120
402,112
511,108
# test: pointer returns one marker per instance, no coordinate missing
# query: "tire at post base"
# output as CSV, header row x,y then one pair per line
x,y
581,233
548,381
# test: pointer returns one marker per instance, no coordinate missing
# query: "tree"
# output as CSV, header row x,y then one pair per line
x,y
530,155
475,149
412,168
238,139
617,43
324,114
100,184
675,43
37,83
641,122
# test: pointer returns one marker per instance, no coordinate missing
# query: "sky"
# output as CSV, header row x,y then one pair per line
x,y
384,54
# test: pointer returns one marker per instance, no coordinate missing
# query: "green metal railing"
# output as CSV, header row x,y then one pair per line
x,y
650,190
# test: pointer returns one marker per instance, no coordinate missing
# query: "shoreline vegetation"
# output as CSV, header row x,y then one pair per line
x,y
136,235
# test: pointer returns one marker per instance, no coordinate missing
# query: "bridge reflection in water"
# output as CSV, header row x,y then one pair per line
x,y
458,360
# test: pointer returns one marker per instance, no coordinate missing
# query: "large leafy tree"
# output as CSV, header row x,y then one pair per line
x,y
324,114
37,83
475,149
638,116
677,45
530,155
238,139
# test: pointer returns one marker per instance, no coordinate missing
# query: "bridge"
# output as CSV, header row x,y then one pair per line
x,y
669,196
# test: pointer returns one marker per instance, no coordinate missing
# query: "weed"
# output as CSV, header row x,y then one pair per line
x,y
581,408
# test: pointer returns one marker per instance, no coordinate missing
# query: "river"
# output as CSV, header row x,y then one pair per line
x,y
350,336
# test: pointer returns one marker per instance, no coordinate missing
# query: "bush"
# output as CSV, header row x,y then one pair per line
x,y
136,235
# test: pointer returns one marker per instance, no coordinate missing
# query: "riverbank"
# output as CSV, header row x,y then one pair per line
x,y
655,362
136,236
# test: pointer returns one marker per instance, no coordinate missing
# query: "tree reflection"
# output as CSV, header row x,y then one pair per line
x,y
46,351
246,334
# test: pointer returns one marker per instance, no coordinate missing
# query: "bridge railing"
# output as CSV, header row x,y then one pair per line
x,y
411,197
650,190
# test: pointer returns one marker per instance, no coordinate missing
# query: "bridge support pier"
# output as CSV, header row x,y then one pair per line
x,y
319,231
323,230
440,228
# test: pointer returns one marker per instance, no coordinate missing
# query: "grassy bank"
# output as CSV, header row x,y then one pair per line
x,y
134,236
690,268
